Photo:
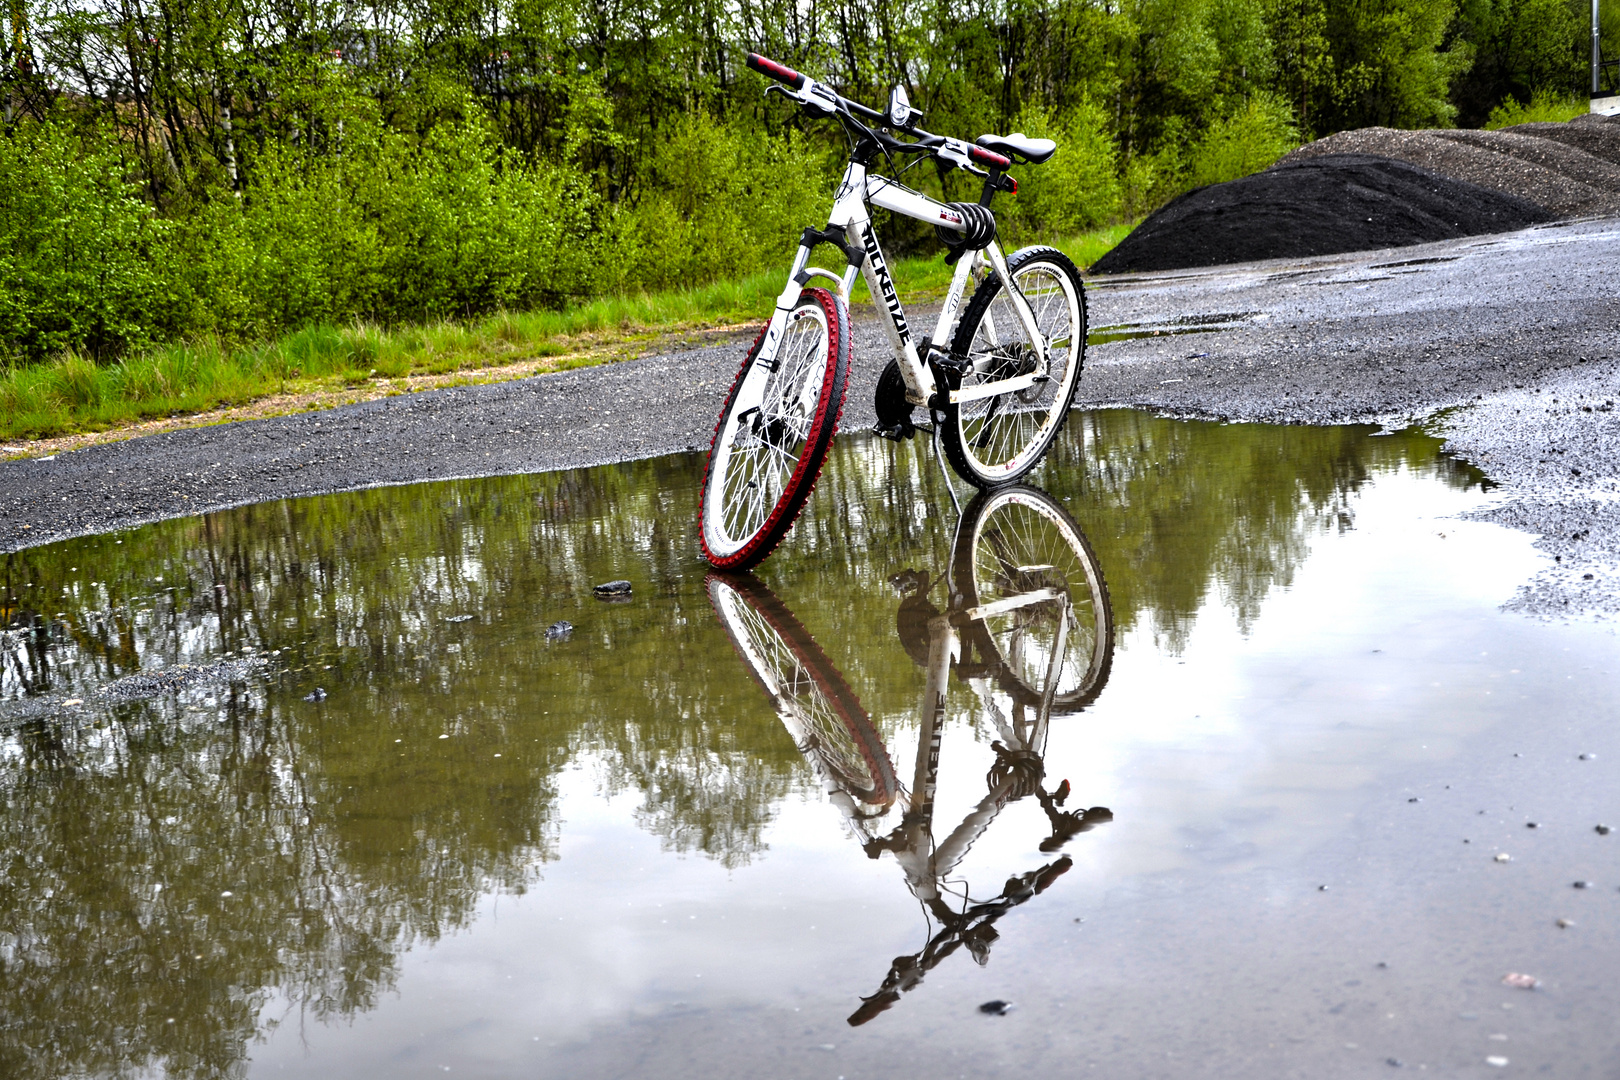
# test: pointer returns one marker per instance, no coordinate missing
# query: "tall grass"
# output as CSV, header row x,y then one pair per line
x,y
72,393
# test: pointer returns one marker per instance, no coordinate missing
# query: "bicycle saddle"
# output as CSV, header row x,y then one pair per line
x,y
1019,146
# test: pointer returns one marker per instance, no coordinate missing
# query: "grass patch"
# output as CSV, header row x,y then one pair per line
x,y
1545,107
72,394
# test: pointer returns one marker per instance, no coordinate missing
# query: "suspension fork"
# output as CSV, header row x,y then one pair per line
x,y
751,395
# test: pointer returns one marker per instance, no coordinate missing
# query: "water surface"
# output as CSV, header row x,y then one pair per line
x,y
491,852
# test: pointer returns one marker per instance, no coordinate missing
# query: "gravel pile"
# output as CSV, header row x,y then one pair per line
x,y
1320,205
1564,179
1379,187
1597,135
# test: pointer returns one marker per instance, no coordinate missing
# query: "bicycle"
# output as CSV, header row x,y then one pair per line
x,y
1029,627
998,381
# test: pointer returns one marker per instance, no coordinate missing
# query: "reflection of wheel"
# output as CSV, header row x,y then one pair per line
x,y
1016,542
773,435
823,715
995,440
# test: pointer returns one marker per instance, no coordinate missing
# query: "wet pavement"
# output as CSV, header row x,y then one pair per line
x,y
1237,727
1507,344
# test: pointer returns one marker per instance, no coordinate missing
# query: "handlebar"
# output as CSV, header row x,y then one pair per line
x,y
780,72
784,74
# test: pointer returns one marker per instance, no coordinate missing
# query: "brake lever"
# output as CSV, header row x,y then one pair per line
x,y
811,96
955,151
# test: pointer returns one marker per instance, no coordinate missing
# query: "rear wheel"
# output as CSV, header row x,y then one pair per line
x,y
995,440
774,433
1018,542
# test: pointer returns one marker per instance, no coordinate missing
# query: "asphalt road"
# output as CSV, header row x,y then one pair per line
x,y
1508,344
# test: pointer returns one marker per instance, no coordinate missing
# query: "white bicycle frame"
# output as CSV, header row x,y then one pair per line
x,y
849,212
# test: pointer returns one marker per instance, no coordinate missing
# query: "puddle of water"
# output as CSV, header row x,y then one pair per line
x,y
1415,262
1173,327
727,827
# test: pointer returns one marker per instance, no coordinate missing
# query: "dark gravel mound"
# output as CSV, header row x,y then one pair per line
x,y
1321,205
1597,135
1556,175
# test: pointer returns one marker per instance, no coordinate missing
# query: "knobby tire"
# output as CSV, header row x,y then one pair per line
x,y
723,549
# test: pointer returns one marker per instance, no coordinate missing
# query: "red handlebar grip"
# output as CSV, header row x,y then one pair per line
x,y
780,72
989,158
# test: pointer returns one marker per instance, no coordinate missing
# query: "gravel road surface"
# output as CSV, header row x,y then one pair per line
x,y
1508,344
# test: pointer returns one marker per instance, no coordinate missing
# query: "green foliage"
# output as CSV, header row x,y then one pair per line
x,y
1249,140
1523,47
240,171
1079,187
719,197
1544,106
1392,64
390,231
76,249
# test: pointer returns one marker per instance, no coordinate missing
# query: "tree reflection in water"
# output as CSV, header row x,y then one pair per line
x,y
346,830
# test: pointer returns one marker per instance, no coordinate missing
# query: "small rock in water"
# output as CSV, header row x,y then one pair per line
x,y
1604,830
459,618
1523,982
559,630
316,694
996,1007
610,590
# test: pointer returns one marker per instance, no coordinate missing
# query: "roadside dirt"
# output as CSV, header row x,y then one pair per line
x,y
606,350
1322,205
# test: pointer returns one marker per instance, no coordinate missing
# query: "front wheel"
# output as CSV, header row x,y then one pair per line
x,y
994,440
774,433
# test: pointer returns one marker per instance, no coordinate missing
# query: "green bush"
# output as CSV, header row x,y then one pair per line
x,y
390,231
385,227
1078,188
1248,140
1544,106
77,249
717,200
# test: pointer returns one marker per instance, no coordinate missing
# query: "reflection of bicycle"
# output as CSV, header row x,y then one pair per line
x,y
999,387
1028,628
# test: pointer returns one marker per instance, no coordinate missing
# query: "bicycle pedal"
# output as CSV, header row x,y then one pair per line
x,y
898,432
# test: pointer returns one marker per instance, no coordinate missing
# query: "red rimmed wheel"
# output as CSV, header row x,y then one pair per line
x,y
825,718
774,433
